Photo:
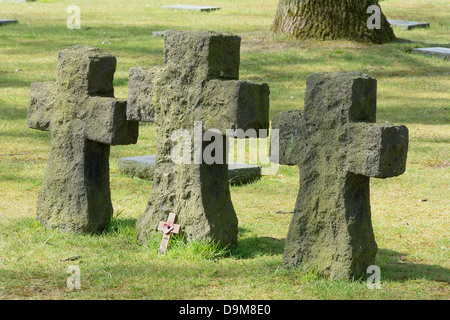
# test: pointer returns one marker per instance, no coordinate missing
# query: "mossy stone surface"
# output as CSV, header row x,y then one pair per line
x,y
198,83
84,119
338,146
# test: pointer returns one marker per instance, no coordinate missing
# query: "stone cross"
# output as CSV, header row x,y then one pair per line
x,y
198,88
167,228
84,119
337,146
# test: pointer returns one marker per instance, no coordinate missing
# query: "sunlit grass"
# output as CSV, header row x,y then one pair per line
x,y
410,213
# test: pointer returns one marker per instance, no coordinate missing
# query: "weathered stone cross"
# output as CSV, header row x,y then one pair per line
x,y
84,119
198,84
337,146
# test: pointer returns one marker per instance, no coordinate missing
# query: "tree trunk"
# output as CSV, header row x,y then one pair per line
x,y
330,19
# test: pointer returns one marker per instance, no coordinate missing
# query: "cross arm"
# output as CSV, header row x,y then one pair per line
x,y
290,126
106,122
140,93
377,150
235,104
40,109
163,226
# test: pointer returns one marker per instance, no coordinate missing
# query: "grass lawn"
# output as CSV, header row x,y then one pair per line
x,y
410,212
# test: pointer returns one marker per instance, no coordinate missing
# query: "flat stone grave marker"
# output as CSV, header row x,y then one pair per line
x,y
198,93
434,52
337,146
192,8
158,34
408,25
242,173
84,120
144,166
167,228
8,21
141,167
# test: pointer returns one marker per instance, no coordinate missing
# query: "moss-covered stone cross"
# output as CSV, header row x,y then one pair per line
x,y
337,146
84,119
198,84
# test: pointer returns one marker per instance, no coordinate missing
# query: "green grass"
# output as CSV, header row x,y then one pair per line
x,y
412,234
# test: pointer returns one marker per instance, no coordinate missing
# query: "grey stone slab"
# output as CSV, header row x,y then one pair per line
x,y
434,52
408,25
143,167
194,8
8,21
158,34
240,173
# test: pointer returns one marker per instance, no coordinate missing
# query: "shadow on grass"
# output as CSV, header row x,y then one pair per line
x,y
422,115
55,38
14,82
252,247
394,265
247,248
116,225
13,113
395,268
423,43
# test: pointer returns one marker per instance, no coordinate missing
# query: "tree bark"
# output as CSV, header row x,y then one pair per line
x,y
329,20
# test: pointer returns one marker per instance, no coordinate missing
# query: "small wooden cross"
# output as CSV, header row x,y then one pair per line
x,y
168,228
